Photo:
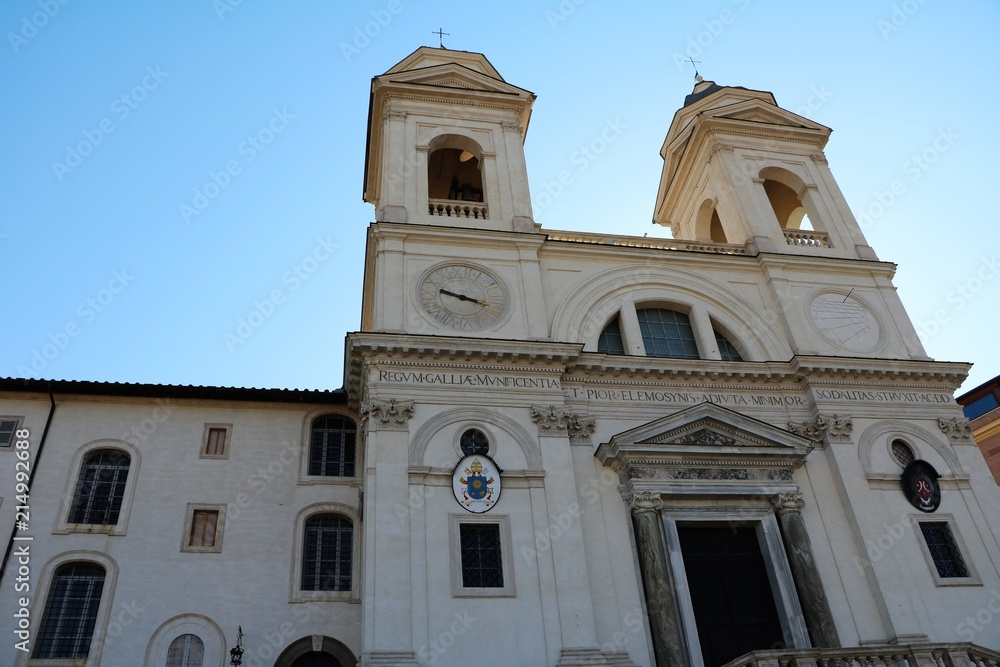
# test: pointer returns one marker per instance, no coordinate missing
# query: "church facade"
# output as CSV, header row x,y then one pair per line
x,y
551,447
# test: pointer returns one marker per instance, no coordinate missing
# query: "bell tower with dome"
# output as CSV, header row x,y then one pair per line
x,y
737,168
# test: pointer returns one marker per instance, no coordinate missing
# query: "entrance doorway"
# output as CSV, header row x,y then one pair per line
x,y
316,659
731,593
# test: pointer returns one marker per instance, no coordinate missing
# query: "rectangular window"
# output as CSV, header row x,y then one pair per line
x,y
203,525
203,528
7,428
215,441
943,550
482,561
481,556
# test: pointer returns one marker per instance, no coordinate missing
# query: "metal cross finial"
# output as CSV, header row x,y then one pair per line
x,y
440,33
693,61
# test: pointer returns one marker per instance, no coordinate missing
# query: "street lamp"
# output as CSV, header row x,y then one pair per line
x,y
236,653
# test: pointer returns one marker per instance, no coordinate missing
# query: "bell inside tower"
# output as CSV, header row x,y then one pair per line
x,y
453,173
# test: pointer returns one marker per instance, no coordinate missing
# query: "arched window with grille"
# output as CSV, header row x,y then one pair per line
x,y
100,487
327,553
667,333
70,615
332,446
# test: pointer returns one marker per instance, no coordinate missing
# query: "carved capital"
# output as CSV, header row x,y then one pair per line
x,y
819,158
788,502
388,415
393,114
511,127
832,428
552,420
728,148
958,429
645,501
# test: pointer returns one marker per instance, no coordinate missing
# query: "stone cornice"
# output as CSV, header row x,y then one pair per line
x,y
445,352
946,375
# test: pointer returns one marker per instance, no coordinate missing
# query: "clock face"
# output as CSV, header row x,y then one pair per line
x,y
845,321
462,297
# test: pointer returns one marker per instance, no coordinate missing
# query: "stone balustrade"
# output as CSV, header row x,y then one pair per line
x,y
808,239
907,655
451,208
643,242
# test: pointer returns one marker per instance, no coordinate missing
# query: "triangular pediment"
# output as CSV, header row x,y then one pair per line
x,y
451,75
707,436
428,56
756,111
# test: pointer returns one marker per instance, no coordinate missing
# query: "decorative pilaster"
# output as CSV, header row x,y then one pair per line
x,y
657,580
833,428
812,596
556,421
958,429
387,415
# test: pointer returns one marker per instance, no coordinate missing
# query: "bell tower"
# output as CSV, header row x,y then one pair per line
x,y
737,168
446,144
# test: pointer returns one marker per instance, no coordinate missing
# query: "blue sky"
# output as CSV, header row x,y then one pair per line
x,y
170,168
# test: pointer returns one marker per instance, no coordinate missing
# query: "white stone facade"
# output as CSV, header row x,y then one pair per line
x,y
474,317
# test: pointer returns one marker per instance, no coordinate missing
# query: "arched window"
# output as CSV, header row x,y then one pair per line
x,y
186,651
327,552
611,341
708,225
100,487
474,441
331,448
454,173
70,614
667,333
787,206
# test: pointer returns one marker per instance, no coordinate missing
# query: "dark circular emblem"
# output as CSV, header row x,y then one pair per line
x,y
921,486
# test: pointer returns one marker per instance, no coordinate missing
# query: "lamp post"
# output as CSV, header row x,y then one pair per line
x,y
236,653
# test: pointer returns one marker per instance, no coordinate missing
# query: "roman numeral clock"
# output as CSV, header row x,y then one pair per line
x,y
464,297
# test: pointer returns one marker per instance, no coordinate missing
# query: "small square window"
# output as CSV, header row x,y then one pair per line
x,y
7,428
203,528
215,441
481,562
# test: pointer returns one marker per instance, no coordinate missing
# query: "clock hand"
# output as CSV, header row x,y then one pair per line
x,y
462,297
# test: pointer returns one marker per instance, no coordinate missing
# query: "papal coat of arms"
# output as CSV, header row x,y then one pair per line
x,y
476,482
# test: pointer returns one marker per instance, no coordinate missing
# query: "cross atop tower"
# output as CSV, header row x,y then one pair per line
x,y
440,33
693,61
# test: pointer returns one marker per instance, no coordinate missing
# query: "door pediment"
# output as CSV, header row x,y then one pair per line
x,y
704,444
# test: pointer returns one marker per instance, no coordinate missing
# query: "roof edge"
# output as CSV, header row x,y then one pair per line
x,y
128,389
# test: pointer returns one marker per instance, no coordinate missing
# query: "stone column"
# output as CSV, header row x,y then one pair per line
x,y
661,603
812,597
